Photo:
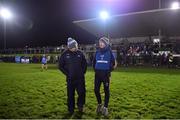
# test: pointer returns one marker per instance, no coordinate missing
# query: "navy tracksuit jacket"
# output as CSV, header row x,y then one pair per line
x,y
103,65
74,65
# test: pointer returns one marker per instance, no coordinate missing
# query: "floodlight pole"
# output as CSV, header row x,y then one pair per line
x,y
159,31
5,34
160,36
105,29
159,4
5,14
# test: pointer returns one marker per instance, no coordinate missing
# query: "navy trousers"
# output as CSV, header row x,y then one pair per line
x,y
102,77
72,86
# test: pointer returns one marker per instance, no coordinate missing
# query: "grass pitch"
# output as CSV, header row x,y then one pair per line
x,y
26,92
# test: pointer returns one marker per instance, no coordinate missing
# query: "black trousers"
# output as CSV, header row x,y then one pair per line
x,y
72,86
102,77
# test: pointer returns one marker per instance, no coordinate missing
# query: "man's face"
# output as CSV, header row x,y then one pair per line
x,y
102,44
74,49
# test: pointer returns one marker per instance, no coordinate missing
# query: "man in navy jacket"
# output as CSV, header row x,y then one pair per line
x,y
103,63
73,64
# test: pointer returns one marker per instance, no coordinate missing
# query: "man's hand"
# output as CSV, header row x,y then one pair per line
x,y
115,65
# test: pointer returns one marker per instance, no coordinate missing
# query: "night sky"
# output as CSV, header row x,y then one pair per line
x,y
49,22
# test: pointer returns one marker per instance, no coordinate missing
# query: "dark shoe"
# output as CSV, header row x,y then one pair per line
x,y
81,110
70,112
99,108
68,115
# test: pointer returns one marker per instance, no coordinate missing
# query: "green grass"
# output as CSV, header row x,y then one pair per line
x,y
26,92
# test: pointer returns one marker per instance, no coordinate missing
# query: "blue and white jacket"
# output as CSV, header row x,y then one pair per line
x,y
104,59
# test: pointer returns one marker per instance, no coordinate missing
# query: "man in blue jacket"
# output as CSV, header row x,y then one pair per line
x,y
103,63
73,64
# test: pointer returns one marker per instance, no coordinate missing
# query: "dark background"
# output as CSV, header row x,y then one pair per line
x,y
49,22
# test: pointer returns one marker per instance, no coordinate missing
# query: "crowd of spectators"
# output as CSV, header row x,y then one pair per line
x,y
143,54
133,54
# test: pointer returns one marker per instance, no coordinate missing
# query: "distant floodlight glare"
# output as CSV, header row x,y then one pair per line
x,y
175,5
5,13
104,15
157,40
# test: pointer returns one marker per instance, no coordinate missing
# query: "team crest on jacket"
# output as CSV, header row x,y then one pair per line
x,y
102,57
67,56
